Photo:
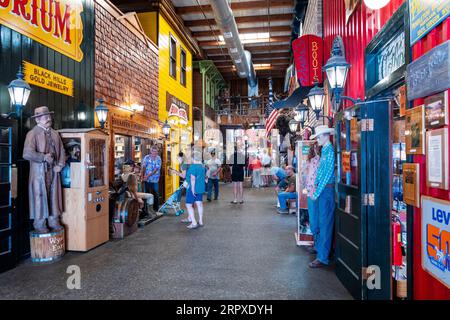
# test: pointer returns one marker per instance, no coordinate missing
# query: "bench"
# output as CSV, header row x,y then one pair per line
x,y
292,206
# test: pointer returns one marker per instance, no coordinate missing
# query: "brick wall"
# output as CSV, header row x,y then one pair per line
x,y
126,64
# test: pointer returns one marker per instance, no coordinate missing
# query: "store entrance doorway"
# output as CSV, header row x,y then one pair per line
x,y
363,209
8,214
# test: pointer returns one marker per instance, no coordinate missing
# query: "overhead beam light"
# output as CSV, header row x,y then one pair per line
x,y
248,37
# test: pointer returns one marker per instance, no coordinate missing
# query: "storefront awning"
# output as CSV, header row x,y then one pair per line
x,y
294,99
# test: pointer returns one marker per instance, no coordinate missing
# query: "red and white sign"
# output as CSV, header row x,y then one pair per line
x,y
178,112
308,58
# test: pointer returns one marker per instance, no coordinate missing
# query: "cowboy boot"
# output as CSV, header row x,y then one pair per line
x,y
53,223
39,226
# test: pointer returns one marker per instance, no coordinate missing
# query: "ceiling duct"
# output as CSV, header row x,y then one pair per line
x,y
242,59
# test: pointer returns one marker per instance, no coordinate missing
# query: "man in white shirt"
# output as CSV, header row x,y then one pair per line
x,y
214,168
265,172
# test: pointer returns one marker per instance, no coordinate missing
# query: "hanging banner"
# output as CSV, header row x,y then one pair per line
x,y
425,15
54,23
436,238
308,57
47,79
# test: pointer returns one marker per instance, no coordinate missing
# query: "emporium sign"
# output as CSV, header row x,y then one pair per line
x,y
436,238
47,79
308,56
425,15
177,108
54,23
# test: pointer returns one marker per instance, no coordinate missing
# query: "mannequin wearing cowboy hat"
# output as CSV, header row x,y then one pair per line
x,y
45,151
73,147
324,195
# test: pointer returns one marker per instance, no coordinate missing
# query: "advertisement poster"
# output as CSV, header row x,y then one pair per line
x,y
436,110
415,131
436,238
411,174
425,15
437,158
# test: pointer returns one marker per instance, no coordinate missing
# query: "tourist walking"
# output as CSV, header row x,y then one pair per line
x,y
265,171
256,172
195,180
214,168
237,176
150,173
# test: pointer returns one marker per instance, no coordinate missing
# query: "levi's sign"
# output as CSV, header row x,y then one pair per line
x,y
54,23
47,79
436,238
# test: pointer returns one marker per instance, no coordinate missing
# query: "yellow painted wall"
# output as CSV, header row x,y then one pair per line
x,y
168,84
149,23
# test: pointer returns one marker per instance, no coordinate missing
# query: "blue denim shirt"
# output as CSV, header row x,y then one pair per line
x,y
325,172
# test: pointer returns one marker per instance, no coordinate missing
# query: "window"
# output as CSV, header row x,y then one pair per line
x,y
183,67
173,57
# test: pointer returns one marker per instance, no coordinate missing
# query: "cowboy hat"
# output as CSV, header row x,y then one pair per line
x,y
41,111
72,143
323,129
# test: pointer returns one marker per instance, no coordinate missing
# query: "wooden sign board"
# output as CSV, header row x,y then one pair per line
x,y
411,184
415,130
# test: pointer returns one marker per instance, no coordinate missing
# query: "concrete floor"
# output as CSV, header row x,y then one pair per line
x,y
243,252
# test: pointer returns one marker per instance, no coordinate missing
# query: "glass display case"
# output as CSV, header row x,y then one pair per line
x,y
85,192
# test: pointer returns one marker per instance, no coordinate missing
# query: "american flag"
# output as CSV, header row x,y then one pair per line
x,y
271,120
271,113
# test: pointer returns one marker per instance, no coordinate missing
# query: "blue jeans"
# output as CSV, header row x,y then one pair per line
x,y
211,183
325,224
283,196
313,213
153,188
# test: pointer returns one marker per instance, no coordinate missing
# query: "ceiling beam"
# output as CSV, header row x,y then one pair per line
x,y
273,63
256,56
248,19
237,6
274,39
198,34
265,48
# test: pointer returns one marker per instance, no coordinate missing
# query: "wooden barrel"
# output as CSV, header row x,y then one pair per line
x,y
127,211
47,247
402,289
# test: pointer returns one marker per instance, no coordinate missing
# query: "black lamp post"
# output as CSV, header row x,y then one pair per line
x,y
102,113
19,92
336,70
166,129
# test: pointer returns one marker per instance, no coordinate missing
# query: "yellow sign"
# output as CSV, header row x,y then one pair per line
x,y
54,23
47,79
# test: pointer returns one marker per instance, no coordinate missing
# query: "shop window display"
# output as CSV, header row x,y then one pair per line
x,y
122,154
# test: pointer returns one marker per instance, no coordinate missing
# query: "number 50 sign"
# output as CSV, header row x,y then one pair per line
x,y
436,238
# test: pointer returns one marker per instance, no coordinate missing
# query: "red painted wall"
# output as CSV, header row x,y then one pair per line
x,y
357,33
425,286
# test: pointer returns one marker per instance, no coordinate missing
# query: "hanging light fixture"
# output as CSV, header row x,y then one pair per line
x,y
376,4
102,112
301,113
293,125
19,92
336,69
316,97
166,129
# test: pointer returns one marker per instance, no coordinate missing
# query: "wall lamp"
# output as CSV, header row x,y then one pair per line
x,y
166,129
102,113
336,70
19,92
